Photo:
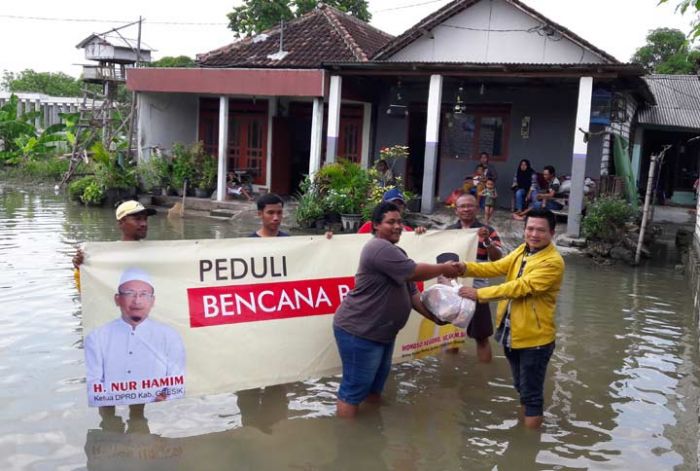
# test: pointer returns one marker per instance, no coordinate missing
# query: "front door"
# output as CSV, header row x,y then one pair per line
x,y
247,145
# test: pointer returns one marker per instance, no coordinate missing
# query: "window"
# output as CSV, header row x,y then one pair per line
x,y
478,129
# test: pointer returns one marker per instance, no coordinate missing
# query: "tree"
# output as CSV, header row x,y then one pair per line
x,y
667,52
255,16
50,83
173,61
694,6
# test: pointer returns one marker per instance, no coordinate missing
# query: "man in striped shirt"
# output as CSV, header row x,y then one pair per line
x,y
489,249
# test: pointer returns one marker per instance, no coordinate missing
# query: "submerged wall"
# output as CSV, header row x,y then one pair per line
x,y
692,264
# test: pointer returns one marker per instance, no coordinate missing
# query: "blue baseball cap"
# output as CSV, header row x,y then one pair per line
x,y
394,194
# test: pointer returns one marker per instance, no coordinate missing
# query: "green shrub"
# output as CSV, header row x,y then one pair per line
x,y
310,207
606,217
345,186
184,164
76,188
93,194
51,169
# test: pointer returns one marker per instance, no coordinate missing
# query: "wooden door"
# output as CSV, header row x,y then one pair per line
x,y
281,177
247,145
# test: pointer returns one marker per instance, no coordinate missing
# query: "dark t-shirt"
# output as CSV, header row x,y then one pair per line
x,y
279,234
379,305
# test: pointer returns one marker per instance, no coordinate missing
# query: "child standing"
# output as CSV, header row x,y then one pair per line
x,y
489,195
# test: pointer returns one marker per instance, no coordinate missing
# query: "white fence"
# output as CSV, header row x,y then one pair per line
x,y
48,106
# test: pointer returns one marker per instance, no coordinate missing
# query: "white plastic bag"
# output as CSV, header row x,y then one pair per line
x,y
444,302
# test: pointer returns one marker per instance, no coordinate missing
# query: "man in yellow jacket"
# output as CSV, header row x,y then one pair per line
x,y
527,301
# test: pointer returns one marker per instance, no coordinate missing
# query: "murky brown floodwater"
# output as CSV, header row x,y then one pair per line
x,y
621,393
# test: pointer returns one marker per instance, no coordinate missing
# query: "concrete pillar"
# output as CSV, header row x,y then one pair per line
x,y
223,149
580,152
334,103
637,153
55,119
316,137
271,113
366,129
46,108
37,109
432,138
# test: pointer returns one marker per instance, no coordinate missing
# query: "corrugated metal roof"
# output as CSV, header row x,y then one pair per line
x,y
678,101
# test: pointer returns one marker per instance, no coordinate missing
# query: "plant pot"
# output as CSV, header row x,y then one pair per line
x,y
201,193
351,222
114,195
413,205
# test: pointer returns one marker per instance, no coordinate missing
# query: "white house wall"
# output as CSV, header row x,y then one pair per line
x,y
165,119
485,40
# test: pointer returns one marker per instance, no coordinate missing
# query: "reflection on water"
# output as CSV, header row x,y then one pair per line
x,y
621,392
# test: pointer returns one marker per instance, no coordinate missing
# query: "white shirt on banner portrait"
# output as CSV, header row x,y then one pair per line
x,y
132,365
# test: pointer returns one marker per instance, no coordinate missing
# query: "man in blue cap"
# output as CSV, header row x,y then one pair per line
x,y
396,197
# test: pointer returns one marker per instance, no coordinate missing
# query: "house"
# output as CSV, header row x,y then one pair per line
x,y
261,101
475,76
674,121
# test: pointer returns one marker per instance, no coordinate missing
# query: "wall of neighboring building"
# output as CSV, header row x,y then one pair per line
x,y
692,263
624,129
495,31
165,119
552,115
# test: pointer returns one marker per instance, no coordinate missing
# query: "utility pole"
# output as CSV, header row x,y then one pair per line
x,y
132,113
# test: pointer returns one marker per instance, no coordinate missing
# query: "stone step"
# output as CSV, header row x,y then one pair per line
x,y
223,213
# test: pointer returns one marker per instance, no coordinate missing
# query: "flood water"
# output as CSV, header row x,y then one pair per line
x,y
621,390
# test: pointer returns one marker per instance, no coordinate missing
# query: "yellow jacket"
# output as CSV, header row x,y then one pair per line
x,y
532,296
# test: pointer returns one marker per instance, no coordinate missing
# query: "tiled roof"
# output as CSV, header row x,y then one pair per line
x,y
457,6
323,34
678,101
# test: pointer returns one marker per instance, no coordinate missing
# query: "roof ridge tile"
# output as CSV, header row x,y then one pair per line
x,y
330,14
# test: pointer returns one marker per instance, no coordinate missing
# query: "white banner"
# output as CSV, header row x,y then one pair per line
x,y
233,314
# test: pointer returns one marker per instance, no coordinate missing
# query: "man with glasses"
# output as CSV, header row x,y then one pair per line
x,y
134,348
489,249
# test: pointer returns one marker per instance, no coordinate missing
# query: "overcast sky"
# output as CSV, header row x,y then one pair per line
x,y
616,26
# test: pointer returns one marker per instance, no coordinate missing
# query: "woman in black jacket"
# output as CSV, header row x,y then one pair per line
x,y
523,179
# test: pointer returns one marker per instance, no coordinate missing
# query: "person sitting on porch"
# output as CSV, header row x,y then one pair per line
x,y
542,195
474,184
386,176
236,188
525,177
489,171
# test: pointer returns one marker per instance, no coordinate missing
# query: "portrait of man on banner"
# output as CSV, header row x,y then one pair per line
x,y
134,359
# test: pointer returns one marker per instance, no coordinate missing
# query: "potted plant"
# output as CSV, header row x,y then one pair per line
x,y
392,154
206,177
155,174
310,208
344,187
183,167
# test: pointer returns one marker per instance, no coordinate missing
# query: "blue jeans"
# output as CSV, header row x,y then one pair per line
x,y
520,195
551,204
529,366
366,366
